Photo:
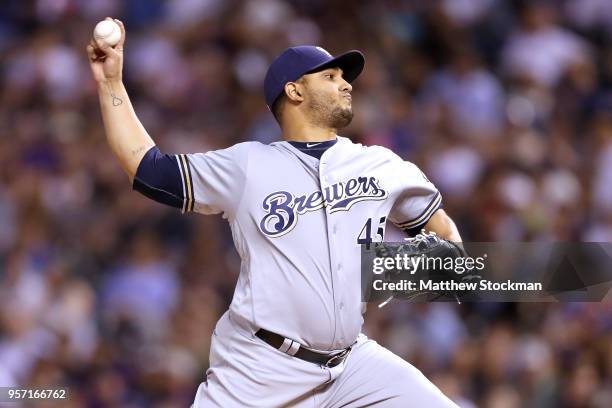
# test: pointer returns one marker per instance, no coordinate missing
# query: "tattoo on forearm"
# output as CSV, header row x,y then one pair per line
x,y
139,150
116,100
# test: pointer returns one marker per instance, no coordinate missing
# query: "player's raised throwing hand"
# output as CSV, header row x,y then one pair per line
x,y
106,62
126,136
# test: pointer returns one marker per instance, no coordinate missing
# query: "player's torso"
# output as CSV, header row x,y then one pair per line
x,y
298,229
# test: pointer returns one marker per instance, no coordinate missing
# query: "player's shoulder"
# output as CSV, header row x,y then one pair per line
x,y
244,149
246,146
371,151
238,153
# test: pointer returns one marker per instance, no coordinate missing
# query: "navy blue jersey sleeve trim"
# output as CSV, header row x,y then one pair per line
x,y
159,178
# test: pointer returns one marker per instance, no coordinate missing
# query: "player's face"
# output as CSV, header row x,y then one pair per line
x,y
328,98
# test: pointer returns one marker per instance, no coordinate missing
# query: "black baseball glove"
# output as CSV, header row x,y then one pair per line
x,y
432,263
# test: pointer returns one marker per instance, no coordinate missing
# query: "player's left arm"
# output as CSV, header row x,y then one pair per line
x,y
419,206
443,226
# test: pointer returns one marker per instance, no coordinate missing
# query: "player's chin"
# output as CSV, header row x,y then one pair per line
x,y
342,117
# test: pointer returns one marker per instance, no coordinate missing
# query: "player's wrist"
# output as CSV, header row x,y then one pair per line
x,y
103,85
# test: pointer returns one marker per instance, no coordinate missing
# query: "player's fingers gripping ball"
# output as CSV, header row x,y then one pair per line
x,y
108,31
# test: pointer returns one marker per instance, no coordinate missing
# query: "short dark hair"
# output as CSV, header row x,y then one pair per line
x,y
277,107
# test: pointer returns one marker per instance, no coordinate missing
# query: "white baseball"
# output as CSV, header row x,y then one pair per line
x,y
108,31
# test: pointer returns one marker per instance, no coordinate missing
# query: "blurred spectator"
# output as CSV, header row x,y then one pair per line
x,y
469,94
153,279
504,105
539,50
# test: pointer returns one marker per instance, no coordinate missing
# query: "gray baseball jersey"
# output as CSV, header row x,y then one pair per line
x,y
297,223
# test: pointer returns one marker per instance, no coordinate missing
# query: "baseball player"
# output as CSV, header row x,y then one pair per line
x,y
298,210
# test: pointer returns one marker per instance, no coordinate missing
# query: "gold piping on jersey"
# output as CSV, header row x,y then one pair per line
x,y
425,215
187,184
191,201
180,167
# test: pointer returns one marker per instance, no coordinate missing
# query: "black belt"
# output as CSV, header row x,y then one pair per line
x,y
295,349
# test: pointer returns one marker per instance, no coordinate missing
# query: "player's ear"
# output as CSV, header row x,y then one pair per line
x,y
293,91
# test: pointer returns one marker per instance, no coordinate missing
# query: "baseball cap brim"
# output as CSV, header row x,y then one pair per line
x,y
351,63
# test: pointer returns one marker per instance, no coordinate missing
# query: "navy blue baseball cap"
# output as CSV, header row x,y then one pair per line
x,y
294,62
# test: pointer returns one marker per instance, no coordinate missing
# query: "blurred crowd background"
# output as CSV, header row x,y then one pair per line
x,y
506,105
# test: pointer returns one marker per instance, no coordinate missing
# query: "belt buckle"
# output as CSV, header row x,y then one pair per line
x,y
338,357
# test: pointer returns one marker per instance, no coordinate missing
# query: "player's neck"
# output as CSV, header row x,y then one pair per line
x,y
305,132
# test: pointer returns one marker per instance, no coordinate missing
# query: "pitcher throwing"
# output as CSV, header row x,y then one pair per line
x,y
298,209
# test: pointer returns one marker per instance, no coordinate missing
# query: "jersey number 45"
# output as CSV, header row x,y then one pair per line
x,y
365,236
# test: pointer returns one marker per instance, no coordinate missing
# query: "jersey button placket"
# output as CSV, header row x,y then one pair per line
x,y
332,230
